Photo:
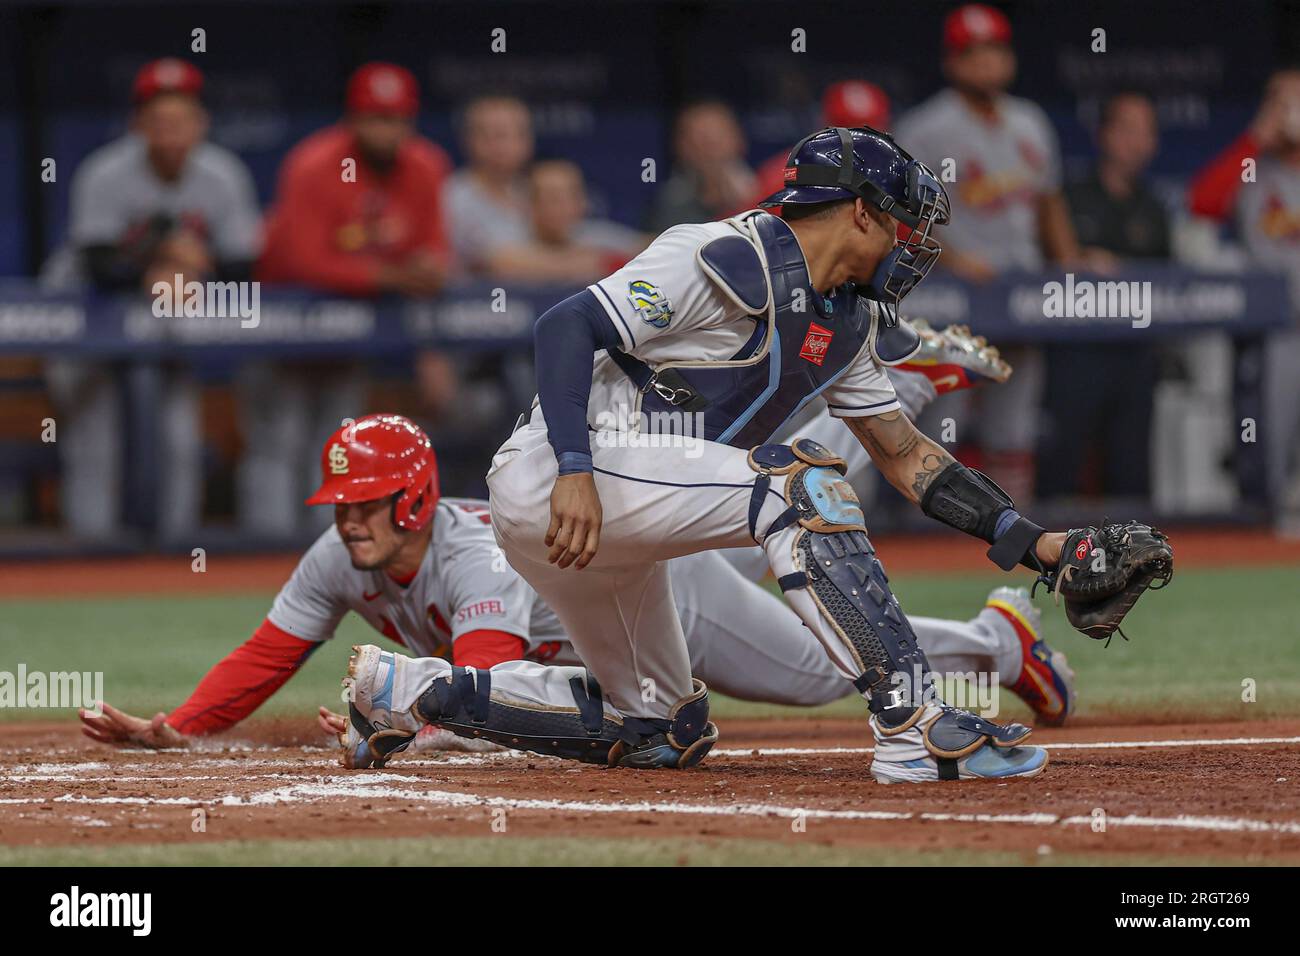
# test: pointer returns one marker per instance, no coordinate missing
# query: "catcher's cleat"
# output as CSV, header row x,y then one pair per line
x,y
375,731
943,743
1046,682
354,742
954,358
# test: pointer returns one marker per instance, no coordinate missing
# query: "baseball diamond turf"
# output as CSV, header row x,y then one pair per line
x,y
1192,648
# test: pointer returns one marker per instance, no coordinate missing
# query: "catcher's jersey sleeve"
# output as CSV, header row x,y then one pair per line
x,y
312,602
663,291
865,389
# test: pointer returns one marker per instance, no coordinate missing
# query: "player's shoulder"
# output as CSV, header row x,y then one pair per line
x,y
677,246
688,236
464,545
927,116
461,192
122,156
217,162
1025,114
327,556
317,151
462,524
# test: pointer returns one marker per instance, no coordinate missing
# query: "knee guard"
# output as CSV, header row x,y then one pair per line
x,y
462,703
679,742
837,564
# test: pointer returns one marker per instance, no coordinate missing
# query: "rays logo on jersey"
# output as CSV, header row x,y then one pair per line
x,y
649,300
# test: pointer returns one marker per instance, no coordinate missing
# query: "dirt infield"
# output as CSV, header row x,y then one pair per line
x,y
1228,790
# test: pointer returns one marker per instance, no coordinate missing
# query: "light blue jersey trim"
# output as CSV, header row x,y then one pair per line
x,y
773,380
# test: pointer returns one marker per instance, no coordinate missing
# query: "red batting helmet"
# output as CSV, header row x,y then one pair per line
x,y
378,456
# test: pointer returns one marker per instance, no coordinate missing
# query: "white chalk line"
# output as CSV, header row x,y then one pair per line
x,y
366,788
390,786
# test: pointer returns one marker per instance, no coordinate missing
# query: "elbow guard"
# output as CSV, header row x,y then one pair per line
x,y
969,501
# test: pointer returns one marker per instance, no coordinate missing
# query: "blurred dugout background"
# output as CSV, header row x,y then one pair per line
x,y
540,188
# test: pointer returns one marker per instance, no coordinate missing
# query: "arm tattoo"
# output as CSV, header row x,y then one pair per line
x,y
908,445
931,465
908,459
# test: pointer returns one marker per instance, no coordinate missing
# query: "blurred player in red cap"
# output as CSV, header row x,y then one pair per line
x,y
157,203
999,153
357,207
849,103
357,211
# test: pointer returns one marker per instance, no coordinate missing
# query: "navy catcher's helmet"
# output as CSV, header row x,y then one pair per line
x,y
884,175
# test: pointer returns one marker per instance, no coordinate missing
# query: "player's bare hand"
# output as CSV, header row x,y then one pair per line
x,y
119,729
574,534
332,723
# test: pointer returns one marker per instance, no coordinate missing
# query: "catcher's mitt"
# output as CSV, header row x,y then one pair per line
x,y
1103,571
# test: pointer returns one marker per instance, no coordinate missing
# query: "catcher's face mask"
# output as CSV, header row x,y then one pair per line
x,y
829,165
917,250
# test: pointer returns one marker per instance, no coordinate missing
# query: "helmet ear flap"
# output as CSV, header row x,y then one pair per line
x,y
412,512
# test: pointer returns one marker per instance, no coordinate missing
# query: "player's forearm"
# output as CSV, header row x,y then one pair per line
x,y
908,460
565,339
953,494
242,681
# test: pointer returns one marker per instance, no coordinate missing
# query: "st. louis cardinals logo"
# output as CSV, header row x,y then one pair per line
x,y
338,459
815,344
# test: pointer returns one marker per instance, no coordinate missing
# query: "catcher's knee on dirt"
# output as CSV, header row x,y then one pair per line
x,y
463,702
833,559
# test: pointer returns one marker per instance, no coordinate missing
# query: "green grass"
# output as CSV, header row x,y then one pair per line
x,y
507,850
1192,647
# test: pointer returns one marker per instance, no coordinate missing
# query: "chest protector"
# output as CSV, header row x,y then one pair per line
x,y
802,341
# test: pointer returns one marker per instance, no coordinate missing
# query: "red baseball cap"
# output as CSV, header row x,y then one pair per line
x,y
383,88
974,23
168,75
855,103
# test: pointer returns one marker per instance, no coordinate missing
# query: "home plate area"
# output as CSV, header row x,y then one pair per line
x,y
1229,790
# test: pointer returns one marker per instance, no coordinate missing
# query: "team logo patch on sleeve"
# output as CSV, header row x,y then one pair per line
x,y
650,303
815,344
